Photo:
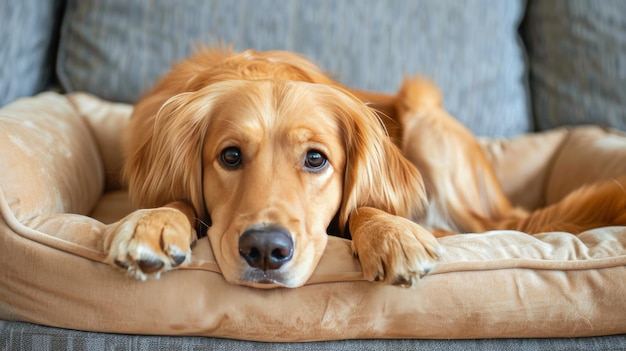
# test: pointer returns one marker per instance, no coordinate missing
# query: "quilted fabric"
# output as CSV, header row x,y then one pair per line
x,y
501,284
116,49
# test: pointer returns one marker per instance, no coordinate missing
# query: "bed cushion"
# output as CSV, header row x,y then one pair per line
x,y
116,49
501,284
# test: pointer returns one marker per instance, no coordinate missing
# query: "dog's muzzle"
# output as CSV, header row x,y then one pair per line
x,y
266,247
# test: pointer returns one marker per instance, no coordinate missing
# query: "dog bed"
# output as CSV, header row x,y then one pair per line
x,y
60,157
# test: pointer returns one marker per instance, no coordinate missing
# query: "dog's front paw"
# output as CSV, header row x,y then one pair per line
x,y
395,250
148,242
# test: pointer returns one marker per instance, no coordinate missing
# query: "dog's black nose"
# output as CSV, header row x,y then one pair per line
x,y
266,247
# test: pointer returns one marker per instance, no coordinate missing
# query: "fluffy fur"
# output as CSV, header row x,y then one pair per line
x,y
265,145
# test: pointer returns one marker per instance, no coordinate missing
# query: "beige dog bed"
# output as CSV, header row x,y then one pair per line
x,y
59,157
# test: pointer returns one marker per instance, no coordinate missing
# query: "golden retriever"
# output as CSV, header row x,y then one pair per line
x,y
272,155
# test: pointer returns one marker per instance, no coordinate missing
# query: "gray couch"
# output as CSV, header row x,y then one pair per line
x,y
506,68
24,336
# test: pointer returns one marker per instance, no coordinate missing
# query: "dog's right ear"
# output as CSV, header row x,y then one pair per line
x,y
165,163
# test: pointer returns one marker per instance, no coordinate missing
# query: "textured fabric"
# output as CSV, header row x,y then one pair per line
x,y
105,122
116,48
563,159
525,185
577,52
502,284
586,145
25,336
28,33
53,161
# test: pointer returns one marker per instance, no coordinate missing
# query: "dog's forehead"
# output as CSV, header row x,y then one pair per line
x,y
289,110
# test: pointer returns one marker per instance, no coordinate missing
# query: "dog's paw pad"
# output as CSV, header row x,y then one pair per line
x,y
178,259
149,266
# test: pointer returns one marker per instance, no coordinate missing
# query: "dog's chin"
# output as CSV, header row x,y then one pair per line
x,y
264,280
260,279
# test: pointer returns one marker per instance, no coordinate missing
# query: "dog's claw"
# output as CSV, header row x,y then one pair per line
x,y
121,264
402,281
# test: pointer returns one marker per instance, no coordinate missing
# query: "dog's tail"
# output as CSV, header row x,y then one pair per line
x,y
591,206
418,94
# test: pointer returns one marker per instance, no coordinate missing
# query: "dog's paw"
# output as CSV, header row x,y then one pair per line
x,y
395,250
149,242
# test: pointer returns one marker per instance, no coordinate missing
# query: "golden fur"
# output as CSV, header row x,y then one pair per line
x,y
264,145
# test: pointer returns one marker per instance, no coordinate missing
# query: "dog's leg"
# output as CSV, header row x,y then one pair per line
x,y
390,248
150,241
463,191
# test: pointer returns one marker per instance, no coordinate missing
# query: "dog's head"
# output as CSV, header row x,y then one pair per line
x,y
273,162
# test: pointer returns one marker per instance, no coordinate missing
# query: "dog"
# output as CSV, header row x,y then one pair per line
x,y
273,155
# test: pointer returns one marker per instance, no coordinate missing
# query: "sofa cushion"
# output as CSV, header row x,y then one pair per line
x,y
28,33
500,284
116,49
577,52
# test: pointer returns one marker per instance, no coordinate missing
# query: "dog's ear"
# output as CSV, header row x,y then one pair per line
x,y
376,174
166,164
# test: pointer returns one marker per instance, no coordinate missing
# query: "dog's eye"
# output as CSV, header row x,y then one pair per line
x,y
315,161
231,157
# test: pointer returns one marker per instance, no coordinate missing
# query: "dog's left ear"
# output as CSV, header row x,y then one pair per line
x,y
376,174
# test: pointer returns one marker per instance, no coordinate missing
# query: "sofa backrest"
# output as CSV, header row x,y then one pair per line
x,y
571,72
577,62
29,33
116,49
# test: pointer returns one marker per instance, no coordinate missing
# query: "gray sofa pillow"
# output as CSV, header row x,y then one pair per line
x,y
28,34
577,52
117,48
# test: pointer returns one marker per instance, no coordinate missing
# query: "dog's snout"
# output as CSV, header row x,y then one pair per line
x,y
266,247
